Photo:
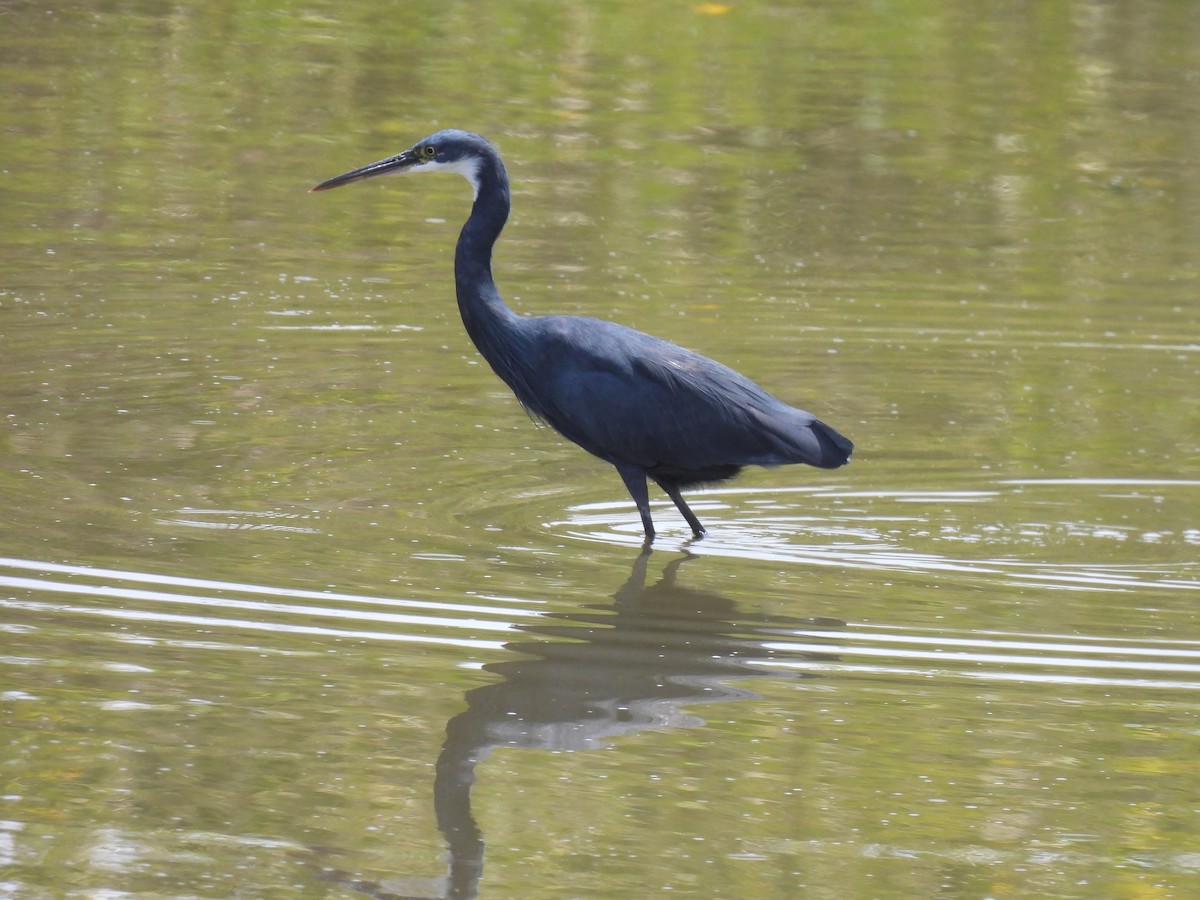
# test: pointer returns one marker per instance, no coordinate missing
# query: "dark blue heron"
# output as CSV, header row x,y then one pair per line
x,y
651,408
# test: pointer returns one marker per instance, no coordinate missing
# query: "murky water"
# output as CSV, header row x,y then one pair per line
x,y
297,602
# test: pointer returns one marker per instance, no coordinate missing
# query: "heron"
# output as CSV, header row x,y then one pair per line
x,y
652,409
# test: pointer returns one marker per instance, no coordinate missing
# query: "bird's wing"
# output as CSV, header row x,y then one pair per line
x,y
628,397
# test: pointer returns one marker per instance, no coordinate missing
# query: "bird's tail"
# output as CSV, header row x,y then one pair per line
x,y
834,447
797,436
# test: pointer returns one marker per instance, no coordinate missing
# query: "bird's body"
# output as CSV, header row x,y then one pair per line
x,y
649,407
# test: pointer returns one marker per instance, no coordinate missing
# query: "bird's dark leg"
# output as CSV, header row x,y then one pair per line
x,y
673,492
635,483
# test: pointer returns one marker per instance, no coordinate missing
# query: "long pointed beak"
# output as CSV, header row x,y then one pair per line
x,y
397,163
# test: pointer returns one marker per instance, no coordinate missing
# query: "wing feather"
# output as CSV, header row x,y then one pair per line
x,y
628,397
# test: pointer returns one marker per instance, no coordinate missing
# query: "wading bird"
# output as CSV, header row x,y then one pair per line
x,y
651,408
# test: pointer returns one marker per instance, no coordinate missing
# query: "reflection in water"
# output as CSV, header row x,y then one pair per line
x,y
629,665
578,677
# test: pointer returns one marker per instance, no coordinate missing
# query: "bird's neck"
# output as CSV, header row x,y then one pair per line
x,y
484,313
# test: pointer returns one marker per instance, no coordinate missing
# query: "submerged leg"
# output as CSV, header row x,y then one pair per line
x,y
635,483
673,492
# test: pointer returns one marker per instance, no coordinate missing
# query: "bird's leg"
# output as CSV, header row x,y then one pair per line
x,y
673,492
635,483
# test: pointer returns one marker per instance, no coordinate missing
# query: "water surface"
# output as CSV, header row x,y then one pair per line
x,y
297,602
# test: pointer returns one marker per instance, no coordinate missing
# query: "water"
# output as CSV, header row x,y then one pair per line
x,y
296,601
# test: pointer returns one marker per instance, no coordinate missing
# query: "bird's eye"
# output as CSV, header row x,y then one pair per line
x,y
428,152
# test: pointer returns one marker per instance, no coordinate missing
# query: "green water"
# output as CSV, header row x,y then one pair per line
x,y
297,602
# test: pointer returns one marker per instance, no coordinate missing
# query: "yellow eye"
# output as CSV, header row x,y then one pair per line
x,y
428,152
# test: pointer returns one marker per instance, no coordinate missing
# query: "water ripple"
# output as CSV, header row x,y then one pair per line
x,y
1063,659
697,632
1010,531
379,618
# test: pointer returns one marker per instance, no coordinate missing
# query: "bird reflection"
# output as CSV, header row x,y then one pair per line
x,y
609,670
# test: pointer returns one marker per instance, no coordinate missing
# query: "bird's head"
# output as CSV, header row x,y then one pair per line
x,y
445,151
